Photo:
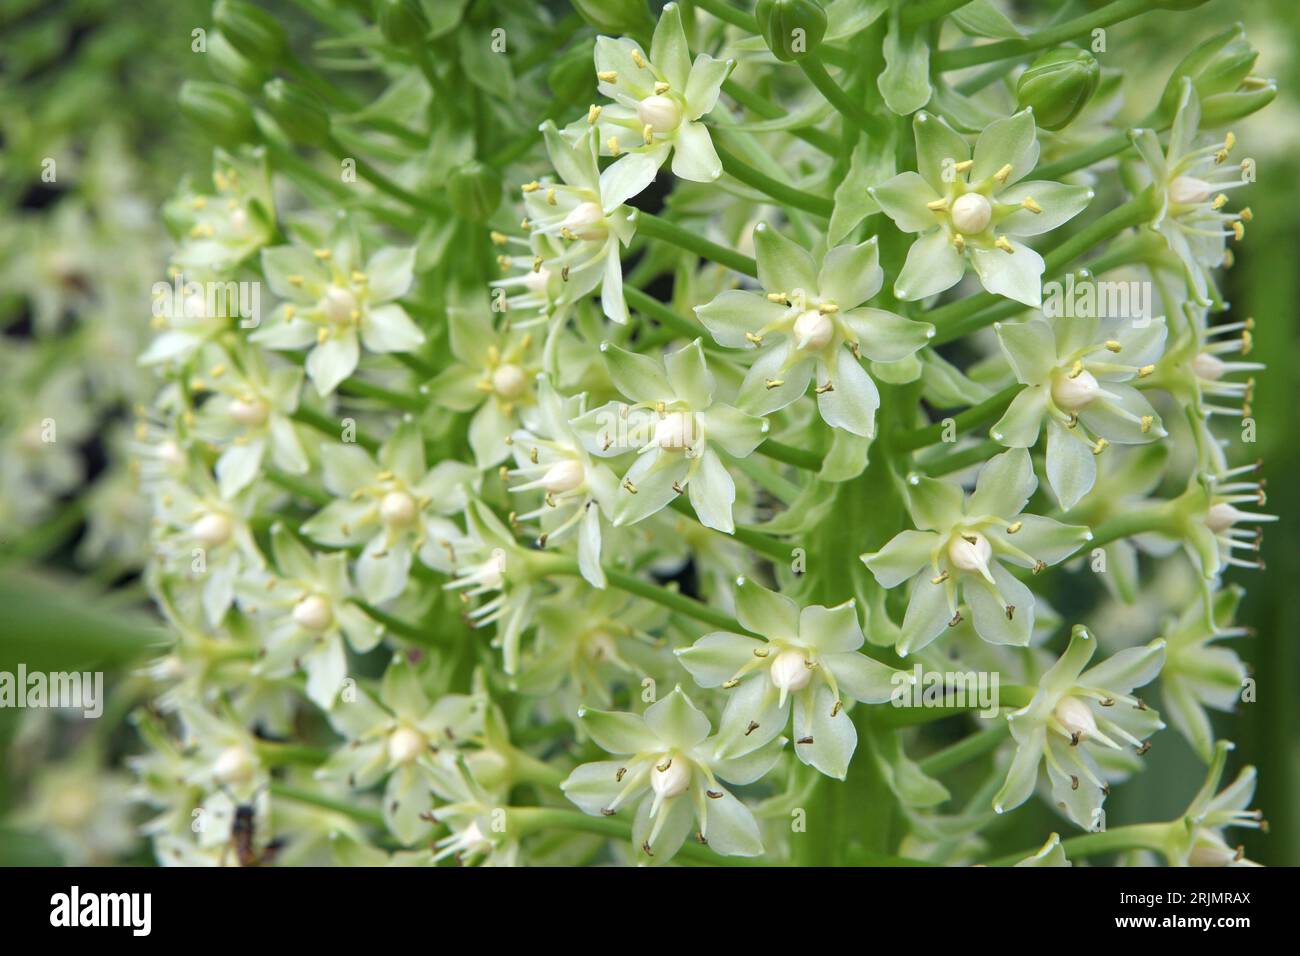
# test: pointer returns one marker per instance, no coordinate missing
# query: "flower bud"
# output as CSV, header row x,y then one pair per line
x,y
300,114
402,22
616,17
570,77
1058,85
234,765
1224,108
791,27
475,191
219,110
252,31
213,529
1216,67
230,66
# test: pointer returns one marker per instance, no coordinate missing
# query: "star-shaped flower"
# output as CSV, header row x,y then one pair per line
x,y
966,206
812,320
336,304
959,550
1075,371
668,762
677,429
658,101
1073,718
808,657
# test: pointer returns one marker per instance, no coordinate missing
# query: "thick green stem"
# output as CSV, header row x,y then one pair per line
x,y
1138,836
779,191
652,227
1007,49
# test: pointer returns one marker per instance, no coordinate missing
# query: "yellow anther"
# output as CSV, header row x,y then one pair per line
x,y
1220,201
772,383
1100,446
755,338
648,134
321,253
295,280
1147,422
1238,230
531,187
959,241
1229,260
1246,214
550,197
219,370
593,114
627,483
964,165
614,148
1113,345
1076,369
537,263
498,238
638,59
567,233
779,297
1028,203
1230,140
1003,243
1146,370
661,88
607,76
322,334
524,224
1247,342
823,389
828,308
938,205
1015,526
940,578
1003,174
504,263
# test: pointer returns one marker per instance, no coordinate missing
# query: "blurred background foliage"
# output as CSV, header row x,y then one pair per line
x,y
92,86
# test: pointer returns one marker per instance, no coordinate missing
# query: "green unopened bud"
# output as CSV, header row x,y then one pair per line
x,y
1225,108
230,66
219,110
1058,85
475,191
791,27
252,31
570,77
297,112
1219,65
617,17
402,22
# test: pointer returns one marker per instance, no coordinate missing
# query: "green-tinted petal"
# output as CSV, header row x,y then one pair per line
x,y
904,199
783,265
938,148
637,376
850,275
715,658
676,722
1004,485
689,376
905,554
1059,204
766,612
1023,420
1071,465
933,265
886,337
733,313
831,630
616,732
1012,141
934,505
1017,274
